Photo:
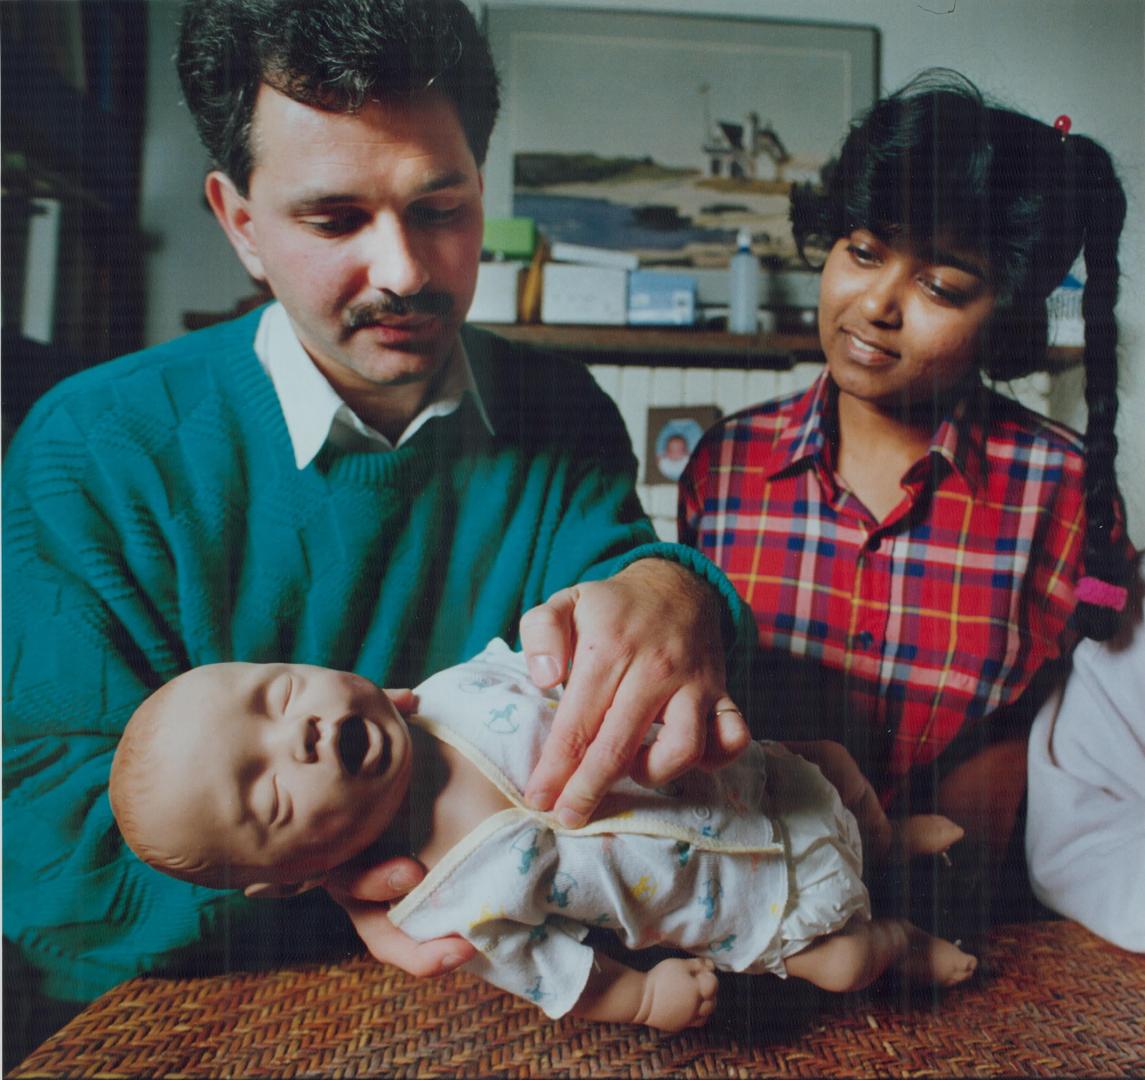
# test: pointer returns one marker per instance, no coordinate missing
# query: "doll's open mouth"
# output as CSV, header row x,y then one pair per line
x,y
353,743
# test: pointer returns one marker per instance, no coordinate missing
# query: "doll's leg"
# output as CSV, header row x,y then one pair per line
x,y
860,952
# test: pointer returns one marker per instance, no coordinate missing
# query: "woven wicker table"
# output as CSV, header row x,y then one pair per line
x,y
1051,1000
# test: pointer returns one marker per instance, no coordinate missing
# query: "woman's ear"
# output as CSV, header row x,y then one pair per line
x,y
233,212
267,891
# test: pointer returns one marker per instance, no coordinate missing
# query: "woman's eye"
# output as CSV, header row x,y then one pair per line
x,y
861,254
286,689
944,293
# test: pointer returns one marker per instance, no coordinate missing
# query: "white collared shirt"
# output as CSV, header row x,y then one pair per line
x,y
312,409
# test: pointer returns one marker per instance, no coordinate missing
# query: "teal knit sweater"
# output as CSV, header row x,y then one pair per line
x,y
154,520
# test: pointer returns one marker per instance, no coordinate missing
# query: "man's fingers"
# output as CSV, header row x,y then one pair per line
x,y
728,734
547,637
577,726
379,883
405,701
389,945
363,893
616,747
680,743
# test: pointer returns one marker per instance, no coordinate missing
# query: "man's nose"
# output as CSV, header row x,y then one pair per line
x,y
395,263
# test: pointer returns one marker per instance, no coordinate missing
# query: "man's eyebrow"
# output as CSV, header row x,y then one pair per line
x,y
321,201
455,178
311,202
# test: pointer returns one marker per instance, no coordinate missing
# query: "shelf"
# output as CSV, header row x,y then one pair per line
x,y
659,346
73,104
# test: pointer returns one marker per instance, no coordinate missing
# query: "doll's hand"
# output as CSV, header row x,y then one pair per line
x,y
365,895
678,994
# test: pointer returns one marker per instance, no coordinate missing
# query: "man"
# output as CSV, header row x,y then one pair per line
x,y
348,477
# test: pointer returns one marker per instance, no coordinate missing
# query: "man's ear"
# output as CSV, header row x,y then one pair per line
x,y
266,891
233,213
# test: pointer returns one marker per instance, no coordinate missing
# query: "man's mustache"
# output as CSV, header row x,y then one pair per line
x,y
422,303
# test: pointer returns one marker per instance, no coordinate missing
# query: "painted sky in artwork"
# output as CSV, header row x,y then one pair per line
x,y
647,96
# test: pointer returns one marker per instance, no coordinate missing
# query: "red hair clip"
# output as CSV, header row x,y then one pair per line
x,y
1062,125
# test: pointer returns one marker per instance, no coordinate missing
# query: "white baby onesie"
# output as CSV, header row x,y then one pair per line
x,y
745,866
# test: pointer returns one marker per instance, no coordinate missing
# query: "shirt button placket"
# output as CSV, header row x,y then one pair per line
x,y
872,595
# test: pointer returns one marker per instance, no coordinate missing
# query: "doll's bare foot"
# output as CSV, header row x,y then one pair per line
x,y
935,961
926,834
855,956
679,993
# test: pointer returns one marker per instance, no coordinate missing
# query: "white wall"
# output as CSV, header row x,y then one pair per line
x,y
190,264
1081,57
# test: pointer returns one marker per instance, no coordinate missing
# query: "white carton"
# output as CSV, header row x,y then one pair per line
x,y
495,297
594,295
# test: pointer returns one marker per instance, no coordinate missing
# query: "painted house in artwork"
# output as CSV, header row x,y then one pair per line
x,y
745,151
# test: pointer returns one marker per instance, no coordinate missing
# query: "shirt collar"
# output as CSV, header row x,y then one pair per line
x,y
960,439
806,434
312,409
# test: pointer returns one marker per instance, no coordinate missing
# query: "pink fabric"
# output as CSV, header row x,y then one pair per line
x,y
1093,590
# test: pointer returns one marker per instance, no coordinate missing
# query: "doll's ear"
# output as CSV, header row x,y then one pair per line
x,y
267,891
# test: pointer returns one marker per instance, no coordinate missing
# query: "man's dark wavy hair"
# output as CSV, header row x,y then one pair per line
x,y
331,54
934,162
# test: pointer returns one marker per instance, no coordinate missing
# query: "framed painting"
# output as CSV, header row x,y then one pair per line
x,y
665,135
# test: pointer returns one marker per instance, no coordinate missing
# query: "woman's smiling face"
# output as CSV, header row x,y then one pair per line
x,y
900,326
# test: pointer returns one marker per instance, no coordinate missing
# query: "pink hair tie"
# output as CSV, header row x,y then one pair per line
x,y
1091,590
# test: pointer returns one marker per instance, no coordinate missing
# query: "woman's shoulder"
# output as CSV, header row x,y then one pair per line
x,y
1009,418
762,424
761,437
1015,432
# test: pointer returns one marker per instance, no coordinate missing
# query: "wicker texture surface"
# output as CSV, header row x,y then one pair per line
x,y
1051,1000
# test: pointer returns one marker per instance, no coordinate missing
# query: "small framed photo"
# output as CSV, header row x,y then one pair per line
x,y
673,433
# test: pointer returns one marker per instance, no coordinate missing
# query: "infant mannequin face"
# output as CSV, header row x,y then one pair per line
x,y
276,772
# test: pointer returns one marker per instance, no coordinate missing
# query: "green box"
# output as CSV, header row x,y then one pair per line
x,y
514,238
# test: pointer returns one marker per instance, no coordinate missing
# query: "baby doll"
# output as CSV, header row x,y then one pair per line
x,y
265,777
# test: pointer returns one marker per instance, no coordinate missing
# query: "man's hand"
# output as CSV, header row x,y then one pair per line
x,y
642,647
365,893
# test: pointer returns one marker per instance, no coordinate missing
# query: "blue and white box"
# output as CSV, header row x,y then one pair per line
x,y
657,298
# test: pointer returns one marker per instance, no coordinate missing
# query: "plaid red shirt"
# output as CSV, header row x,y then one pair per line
x,y
937,616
